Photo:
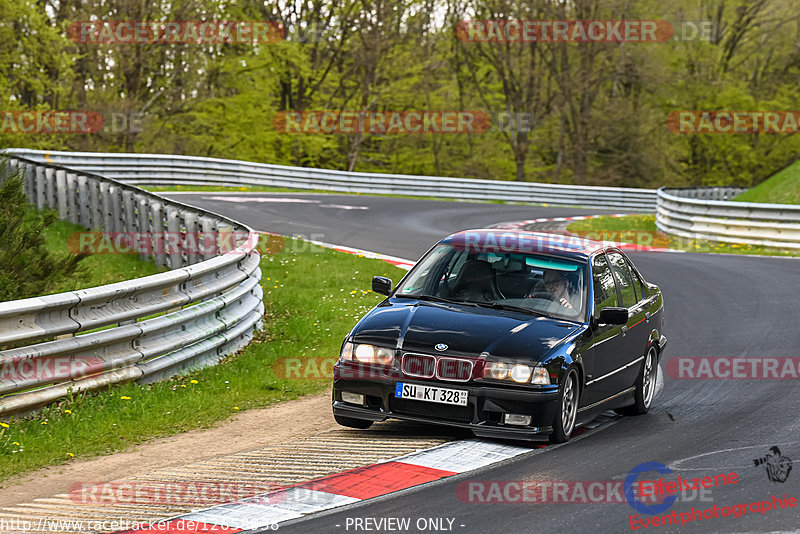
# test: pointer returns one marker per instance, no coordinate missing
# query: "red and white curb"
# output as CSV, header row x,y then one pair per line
x,y
394,260
356,485
284,504
516,225
633,247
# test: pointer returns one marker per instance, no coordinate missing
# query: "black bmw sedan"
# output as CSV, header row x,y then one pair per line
x,y
509,334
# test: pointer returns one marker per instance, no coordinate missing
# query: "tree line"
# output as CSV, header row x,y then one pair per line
x,y
585,112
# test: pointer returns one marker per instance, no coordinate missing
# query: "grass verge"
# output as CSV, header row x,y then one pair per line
x,y
313,297
781,188
94,270
642,230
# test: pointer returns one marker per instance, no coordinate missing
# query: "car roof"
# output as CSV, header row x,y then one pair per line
x,y
502,240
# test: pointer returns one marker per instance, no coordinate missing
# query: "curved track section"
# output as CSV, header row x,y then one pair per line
x,y
717,306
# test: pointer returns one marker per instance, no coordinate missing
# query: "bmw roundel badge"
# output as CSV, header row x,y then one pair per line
x,y
440,347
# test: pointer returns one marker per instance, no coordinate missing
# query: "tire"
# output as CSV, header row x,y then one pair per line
x,y
645,386
568,399
351,422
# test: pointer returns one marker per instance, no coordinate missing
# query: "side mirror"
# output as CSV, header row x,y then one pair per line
x,y
613,315
383,286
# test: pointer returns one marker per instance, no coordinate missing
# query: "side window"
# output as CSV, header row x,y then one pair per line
x,y
605,293
641,290
624,278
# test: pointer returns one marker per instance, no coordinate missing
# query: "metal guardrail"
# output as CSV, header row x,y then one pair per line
x,y
705,213
160,169
147,329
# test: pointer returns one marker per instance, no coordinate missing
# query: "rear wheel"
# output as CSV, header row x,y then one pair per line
x,y
352,422
645,386
568,412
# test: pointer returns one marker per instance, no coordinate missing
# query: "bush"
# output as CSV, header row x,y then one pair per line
x,y
27,267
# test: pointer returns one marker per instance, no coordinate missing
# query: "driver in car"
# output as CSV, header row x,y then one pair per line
x,y
556,283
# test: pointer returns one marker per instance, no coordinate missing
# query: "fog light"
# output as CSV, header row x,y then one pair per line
x,y
355,398
516,419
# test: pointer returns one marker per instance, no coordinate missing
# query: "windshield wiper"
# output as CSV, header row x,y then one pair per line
x,y
435,298
510,307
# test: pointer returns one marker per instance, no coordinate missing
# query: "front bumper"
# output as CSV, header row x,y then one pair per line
x,y
483,415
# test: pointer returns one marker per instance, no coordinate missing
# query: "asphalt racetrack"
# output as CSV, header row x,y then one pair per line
x,y
716,306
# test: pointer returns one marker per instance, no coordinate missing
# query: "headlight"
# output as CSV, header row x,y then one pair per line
x,y
520,373
347,352
540,376
497,370
365,353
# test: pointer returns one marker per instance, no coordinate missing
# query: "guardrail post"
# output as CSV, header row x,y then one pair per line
x,y
128,212
226,238
192,237
157,221
5,166
41,188
83,201
12,167
115,198
105,206
72,198
174,243
50,188
29,177
208,241
143,214
61,192
95,210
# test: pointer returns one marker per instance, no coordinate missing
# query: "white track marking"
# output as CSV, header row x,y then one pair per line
x,y
674,465
343,207
279,200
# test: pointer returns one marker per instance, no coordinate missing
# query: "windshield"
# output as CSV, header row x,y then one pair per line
x,y
537,283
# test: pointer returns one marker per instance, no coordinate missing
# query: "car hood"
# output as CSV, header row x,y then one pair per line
x,y
416,326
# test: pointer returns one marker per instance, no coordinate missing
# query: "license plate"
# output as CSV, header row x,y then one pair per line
x,y
431,394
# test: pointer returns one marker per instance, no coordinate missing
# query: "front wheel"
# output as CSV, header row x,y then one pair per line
x,y
645,386
568,402
352,422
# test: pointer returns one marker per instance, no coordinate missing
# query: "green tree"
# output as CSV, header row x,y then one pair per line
x,y
27,267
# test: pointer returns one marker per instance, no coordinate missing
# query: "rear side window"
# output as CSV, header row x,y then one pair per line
x,y
638,281
605,293
624,276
